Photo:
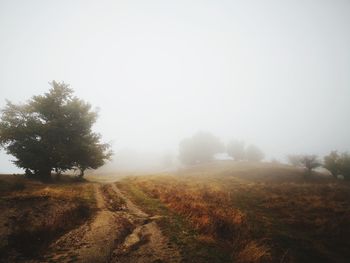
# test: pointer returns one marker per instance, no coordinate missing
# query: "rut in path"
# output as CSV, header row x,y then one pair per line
x,y
146,243
94,241
106,239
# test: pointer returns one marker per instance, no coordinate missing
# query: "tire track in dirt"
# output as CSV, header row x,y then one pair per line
x,y
146,243
93,241
132,208
114,236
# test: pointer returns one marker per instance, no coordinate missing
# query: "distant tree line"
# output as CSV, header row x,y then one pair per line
x,y
239,152
52,132
337,164
202,147
199,148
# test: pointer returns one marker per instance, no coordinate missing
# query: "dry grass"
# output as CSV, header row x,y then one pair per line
x,y
35,214
253,252
113,201
262,212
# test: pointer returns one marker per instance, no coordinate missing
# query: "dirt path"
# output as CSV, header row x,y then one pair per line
x,y
129,235
132,208
146,243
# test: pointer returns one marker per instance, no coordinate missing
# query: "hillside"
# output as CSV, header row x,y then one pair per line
x,y
218,212
256,212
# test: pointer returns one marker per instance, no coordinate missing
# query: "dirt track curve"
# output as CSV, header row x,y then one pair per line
x,y
128,235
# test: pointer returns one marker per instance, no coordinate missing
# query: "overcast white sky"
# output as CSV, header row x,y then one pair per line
x,y
272,73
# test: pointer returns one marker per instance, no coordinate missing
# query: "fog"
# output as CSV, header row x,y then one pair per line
x,y
271,73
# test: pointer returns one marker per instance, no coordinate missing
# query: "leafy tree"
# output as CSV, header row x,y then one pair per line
x,y
199,148
89,153
344,165
254,154
309,162
236,149
52,132
332,163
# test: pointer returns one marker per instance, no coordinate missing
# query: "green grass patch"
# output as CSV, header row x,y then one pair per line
x,y
176,228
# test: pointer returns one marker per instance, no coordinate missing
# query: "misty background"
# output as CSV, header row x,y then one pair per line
x,y
271,73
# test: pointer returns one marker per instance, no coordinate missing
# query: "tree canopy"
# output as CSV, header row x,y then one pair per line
x,y
332,163
199,148
254,154
236,149
344,165
338,164
52,132
308,162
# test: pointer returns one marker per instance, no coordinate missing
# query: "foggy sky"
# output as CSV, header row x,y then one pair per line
x,y
272,73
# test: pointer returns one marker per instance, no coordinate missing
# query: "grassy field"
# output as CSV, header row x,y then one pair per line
x,y
241,212
219,212
33,214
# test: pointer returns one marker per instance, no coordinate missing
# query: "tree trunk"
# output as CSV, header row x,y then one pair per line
x,y
28,173
58,174
81,175
45,174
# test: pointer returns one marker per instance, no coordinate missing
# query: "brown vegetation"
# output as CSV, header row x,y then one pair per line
x,y
260,212
114,202
34,214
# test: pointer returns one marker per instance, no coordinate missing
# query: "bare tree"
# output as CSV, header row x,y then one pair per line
x,y
310,162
